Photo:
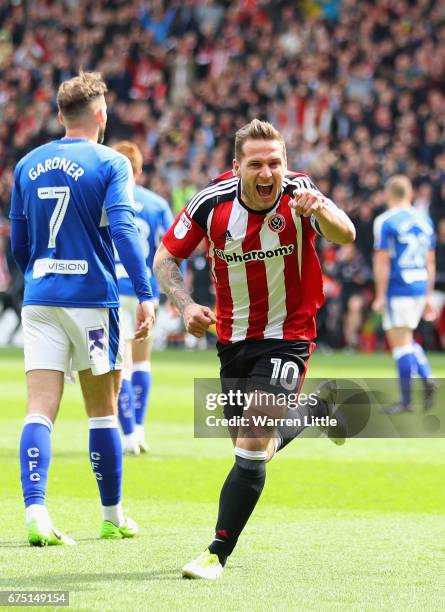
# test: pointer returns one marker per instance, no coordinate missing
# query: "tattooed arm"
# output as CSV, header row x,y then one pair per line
x,y
166,269
197,318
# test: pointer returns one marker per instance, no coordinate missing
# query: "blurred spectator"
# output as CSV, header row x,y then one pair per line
x,y
182,194
439,289
423,198
354,275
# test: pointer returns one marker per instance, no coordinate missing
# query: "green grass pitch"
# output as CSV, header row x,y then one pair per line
x,y
361,527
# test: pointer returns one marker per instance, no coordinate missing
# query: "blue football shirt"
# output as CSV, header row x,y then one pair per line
x,y
153,217
65,191
408,235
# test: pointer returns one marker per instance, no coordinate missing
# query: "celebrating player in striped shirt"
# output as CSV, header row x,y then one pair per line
x,y
259,222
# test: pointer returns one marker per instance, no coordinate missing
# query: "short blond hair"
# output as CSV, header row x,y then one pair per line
x,y
256,130
399,187
75,95
133,152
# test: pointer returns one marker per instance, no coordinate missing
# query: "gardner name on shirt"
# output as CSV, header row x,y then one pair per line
x,y
57,163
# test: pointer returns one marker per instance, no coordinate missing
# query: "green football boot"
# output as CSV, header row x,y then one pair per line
x,y
110,531
46,535
207,566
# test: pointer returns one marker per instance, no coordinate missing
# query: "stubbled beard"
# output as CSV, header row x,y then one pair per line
x,y
101,134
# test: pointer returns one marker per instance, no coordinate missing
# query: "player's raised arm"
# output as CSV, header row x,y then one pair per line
x,y
333,223
197,318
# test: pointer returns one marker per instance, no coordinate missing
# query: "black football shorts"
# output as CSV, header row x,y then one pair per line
x,y
272,366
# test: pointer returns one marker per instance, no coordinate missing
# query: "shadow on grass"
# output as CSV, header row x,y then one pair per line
x,y
82,582
25,545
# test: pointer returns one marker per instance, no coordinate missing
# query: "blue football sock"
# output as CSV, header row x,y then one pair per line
x,y
422,363
106,458
406,366
141,381
125,404
35,457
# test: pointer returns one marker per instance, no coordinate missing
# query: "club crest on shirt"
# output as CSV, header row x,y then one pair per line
x,y
277,223
182,227
96,342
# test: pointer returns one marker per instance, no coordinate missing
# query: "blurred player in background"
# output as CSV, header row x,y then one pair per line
x,y
71,199
153,217
404,270
259,222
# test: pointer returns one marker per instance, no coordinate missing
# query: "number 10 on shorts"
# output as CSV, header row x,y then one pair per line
x,y
286,374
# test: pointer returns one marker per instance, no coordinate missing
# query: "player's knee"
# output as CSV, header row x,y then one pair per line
x,y
103,410
43,403
250,443
48,410
271,449
399,336
101,406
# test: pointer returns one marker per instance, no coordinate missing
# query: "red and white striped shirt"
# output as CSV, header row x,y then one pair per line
x,y
264,265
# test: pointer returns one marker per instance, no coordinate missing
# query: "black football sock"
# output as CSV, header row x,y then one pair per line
x,y
239,495
287,433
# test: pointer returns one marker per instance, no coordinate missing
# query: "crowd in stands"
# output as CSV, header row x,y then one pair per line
x,y
357,89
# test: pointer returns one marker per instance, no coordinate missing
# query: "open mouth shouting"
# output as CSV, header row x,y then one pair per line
x,y
264,190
